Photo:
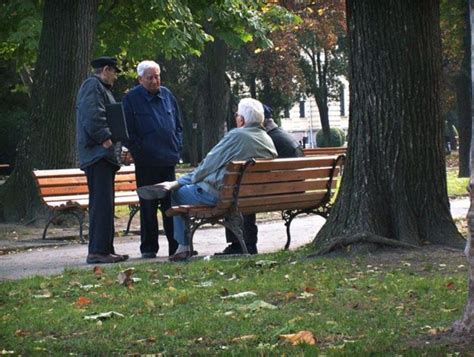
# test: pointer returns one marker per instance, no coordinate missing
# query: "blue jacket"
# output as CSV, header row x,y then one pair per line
x,y
91,125
154,127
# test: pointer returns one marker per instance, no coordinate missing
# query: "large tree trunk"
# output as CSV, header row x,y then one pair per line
x,y
465,326
394,184
463,94
48,141
213,96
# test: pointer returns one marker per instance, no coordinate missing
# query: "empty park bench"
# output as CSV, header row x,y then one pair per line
x,y
335,150
292,186
65,191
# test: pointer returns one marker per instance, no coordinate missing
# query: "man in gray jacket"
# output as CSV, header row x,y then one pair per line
x,y
203,184
99,158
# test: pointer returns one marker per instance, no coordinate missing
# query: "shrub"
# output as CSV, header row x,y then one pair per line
x,y
337,137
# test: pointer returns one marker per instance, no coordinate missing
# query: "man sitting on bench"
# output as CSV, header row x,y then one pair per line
x,y
201,187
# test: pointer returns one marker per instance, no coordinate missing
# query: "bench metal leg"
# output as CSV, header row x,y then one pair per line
x,y
133,211
78,213
234,223
289,215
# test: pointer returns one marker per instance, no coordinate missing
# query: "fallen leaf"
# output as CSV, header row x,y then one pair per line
x,y
44,294
241,295
21,333
97,270
266,263
244,338
259,305
103,316
125,277
82,301
450,285
300,337
309,289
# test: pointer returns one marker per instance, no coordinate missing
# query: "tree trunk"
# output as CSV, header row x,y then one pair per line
x,y
49,140
394,182
465,326
212,103
463,94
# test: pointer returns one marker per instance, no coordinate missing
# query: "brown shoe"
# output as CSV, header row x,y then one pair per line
x,y
180,257
103,259
123,257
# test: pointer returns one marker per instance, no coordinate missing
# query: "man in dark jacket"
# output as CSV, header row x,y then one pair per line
x,y
99,158
286,146
155,130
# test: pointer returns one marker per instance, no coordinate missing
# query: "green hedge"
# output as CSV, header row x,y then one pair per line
x,y
337,137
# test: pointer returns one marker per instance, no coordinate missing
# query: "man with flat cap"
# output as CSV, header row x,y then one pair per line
x,y
98,158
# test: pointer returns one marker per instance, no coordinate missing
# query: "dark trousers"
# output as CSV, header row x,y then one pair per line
x,y
100,180
250,231
147,175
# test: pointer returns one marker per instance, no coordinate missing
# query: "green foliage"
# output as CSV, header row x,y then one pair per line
x,y
353,307
337,137
457,186
20,27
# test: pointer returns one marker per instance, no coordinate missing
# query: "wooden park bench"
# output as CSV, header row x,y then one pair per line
x,y
65,191
336,150
292,186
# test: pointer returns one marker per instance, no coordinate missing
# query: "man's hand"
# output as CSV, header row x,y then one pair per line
x,y
107,143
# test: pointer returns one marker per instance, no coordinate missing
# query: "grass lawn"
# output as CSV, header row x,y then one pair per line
x,y
351,305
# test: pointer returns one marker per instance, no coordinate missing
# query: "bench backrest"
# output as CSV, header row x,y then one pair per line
x,y
325,151
271,185
64,185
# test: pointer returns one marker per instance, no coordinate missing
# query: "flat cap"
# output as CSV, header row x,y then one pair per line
x,y
105,61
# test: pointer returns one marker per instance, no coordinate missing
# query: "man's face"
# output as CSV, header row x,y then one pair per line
x,y
239,120
150,80
109,75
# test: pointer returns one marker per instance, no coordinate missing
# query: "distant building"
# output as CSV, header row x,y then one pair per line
x,y
303,118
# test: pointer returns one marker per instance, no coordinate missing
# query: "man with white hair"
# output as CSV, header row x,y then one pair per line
x,y
201,187
155,130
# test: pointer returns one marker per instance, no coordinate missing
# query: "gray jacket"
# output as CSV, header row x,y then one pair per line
x,y
91,124
238,144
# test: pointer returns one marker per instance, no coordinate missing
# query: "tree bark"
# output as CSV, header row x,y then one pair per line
x,y
465,326
213,95
463,94
49,140
394,182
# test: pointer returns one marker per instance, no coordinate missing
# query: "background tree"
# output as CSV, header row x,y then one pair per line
x,y
394,186
456,95
321,38
465,326
64,52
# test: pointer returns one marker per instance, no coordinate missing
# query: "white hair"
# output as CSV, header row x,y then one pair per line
x,y
251,110
144,65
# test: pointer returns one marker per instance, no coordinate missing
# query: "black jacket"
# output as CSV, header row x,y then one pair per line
x,y
91,124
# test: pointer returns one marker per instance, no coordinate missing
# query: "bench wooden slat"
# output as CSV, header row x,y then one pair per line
x,y
280,176
325,151
275,188
284,164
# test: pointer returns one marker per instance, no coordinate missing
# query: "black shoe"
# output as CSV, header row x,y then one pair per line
x,y
123,257
233,248
103,259
151,192
148,255
252,248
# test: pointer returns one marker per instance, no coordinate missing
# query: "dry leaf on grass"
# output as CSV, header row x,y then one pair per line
x,y
97,270
244,338
103,316
241,295
82,301
125,277
300,337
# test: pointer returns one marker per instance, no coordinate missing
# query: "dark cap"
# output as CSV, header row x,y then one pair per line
x,y
105,61
267,111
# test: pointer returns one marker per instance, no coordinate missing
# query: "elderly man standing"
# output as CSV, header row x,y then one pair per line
x,y
99,158
203,184
155,131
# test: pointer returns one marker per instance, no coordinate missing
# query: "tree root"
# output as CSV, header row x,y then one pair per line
x,y
362,237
